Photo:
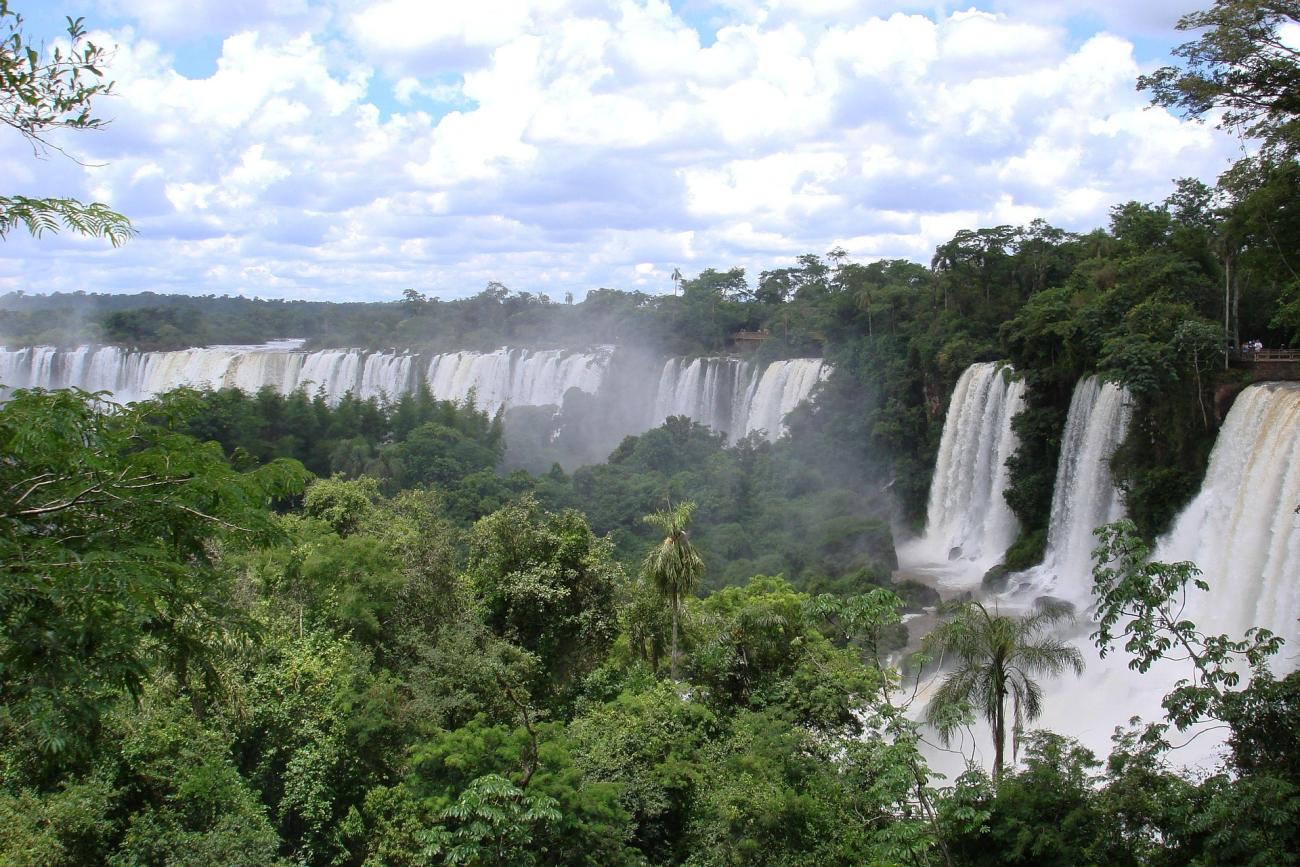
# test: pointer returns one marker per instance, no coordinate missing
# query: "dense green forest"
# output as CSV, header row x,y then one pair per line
x,y
263,629
362,676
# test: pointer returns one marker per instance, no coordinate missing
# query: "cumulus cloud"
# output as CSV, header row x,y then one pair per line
x,y
351,150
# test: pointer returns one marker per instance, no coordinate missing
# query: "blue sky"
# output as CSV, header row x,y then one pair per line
x,y
349,149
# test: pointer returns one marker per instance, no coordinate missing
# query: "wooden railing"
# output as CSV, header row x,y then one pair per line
x,y
748,341
1264,355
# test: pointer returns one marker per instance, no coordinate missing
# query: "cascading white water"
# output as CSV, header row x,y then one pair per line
x,y
1242,530
707,390
733,396
507,376
782,386
727,394
968,519
1084,496
515,377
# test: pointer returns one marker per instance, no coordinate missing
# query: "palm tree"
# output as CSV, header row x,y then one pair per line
x,y
997,657
673,566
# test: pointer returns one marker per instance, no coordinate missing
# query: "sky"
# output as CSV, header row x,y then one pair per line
x,y
352,149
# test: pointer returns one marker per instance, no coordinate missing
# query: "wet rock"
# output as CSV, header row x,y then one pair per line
x,y
915,595
995,580
1053,602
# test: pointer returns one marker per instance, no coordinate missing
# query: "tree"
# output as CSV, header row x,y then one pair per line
x,y
39,95
457,804
1050,814
1248,812
493,822
547,584
1141,602
342,503
1242,65
674,566
997,656
109,523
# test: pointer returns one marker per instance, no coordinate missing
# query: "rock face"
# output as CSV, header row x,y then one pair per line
x,y
995,580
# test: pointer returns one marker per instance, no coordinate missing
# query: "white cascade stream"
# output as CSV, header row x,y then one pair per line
x,y
507,376
782,386
514,377
968,521
711,391
1242,530
733,396
1084,496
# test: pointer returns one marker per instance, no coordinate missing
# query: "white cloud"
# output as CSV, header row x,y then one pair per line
x,y
984,38
777,187
345,150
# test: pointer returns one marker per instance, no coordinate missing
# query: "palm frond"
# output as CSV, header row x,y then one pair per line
x,y
997,658
39,216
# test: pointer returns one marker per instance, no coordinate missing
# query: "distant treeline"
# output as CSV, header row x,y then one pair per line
x,y
713,306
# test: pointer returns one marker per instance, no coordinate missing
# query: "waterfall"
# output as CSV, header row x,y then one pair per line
x,y
708,390
733,396
507,376
967,517
515,377
1243,532
1242,529
782,386
1084,496
729,395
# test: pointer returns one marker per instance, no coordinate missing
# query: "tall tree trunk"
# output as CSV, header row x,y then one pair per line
x,y
1227,320
674,648
999,733
1236,317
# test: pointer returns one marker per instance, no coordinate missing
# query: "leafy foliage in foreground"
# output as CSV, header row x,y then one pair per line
x,y
384,688
110,524
41,92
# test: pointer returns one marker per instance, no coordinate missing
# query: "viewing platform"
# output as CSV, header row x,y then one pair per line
x,y
749,341
1267,364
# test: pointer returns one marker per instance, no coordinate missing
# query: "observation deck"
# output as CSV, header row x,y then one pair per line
x,y
1266,364
749,341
